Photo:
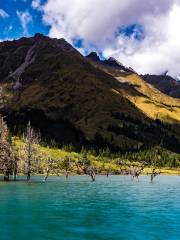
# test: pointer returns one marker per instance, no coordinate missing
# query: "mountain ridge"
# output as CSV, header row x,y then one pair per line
x,y
73,100
164,83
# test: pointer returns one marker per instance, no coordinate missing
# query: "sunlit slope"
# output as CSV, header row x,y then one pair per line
x,y
144,96
150,100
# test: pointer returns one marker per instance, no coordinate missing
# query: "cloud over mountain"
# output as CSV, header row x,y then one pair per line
x,y
142,34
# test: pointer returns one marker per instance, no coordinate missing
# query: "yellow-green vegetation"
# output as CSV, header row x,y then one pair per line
x,y
165,171
165,161
58,155
152,102
145,97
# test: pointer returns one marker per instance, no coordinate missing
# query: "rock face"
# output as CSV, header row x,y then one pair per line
x,y
165,84
93,57
72,100
111,62
16,56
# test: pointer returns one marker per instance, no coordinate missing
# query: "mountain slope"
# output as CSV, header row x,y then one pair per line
x,y
165,84
72,100
144,96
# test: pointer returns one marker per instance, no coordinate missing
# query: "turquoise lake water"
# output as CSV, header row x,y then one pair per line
x,y
113,208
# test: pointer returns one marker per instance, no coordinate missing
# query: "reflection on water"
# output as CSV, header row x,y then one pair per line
x,y
110,208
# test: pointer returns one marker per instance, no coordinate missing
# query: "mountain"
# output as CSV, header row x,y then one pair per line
x,y
83,100
143,95
111,62
165,84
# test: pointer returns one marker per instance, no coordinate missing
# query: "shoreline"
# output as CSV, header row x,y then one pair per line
x,y
146,172
164,171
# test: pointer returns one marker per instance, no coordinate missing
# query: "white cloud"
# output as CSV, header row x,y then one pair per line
x,y
97,23
25,18
3,14
36,4
159,51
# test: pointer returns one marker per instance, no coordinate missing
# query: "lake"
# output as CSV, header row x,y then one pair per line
x,y
113,208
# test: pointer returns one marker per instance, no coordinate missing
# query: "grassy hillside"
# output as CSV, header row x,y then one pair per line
x,y
165,84
105,161
152,102
144,96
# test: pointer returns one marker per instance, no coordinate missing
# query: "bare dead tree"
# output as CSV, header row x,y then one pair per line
x,y
15,160
122,165
136,171
91,172
31,141
49,168
66,165
6,161
154,173
85,165
108,171
15,167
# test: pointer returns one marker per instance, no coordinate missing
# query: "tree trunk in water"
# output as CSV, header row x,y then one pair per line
x,y
15,175
6,176
47,175
29,169
28,176
93,176
67,175
152,178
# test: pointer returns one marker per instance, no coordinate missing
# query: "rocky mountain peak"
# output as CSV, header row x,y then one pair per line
x,y
39,36
110,62
114,63
94,57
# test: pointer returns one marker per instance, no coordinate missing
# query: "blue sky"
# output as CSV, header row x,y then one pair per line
x,y
11,27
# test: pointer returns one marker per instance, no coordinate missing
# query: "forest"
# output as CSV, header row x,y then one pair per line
x,y
29,155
